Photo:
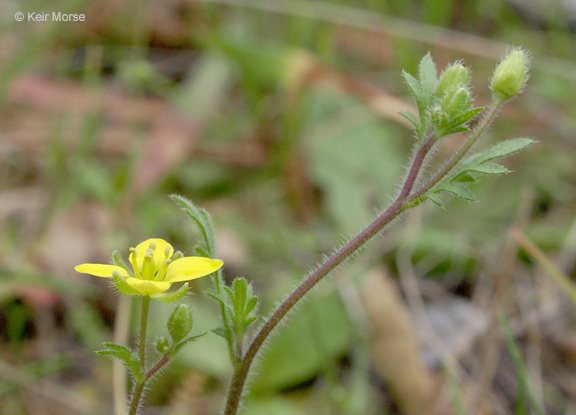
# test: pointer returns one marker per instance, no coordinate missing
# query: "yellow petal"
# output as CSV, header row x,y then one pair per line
x,y
159,255
148,287
100,270
191,267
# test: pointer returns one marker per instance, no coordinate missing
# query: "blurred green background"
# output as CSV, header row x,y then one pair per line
x,y
280,118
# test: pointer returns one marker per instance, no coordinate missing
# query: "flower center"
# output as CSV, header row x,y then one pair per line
x,y
149,270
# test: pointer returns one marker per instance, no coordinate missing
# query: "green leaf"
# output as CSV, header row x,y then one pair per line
x,y
251,304
126,355
220,331
428,80
488,168
458,190
465,178
215,295
463,117
502,149
201,252
249,321
202,219
454,130
184,342
123,286
434,198
171,296
410,117
413,86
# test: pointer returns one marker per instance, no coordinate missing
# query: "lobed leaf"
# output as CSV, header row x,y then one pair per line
x,y
502,149
488,168
124,354
458,190
184,342
410,117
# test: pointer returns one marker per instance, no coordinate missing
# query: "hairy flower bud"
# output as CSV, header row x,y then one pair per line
x,y
510,76
456,101
180,322
454,76
162,345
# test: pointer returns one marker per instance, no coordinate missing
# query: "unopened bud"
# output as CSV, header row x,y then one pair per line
x,y
455,76
162,345
510,76
456,101
180,322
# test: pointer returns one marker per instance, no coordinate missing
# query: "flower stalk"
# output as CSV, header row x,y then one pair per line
x,y
140,382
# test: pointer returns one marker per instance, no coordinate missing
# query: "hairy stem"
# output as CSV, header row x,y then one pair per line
x,y
393,211
139,387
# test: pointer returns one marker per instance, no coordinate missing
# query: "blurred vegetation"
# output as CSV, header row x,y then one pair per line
x,y
281,119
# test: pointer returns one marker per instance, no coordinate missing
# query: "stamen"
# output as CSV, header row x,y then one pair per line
x,y
167,251
152,246
133,255
162,271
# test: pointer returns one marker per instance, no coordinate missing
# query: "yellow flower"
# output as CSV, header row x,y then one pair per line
x,y
154,269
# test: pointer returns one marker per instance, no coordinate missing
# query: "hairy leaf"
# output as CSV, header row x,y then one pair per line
x,y
126,355
489,168
458,190
428,80
502,149
410,117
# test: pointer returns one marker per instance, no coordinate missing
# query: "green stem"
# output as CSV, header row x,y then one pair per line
x,y
139,387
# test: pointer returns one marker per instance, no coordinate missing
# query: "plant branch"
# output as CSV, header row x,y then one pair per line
x,y
478,131
393,211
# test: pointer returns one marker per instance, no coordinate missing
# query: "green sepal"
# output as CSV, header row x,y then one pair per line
x,y
123,286
171,296
184,342
119,262
127,356
180,323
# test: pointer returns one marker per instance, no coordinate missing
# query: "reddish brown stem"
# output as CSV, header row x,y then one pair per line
x,y
393,211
